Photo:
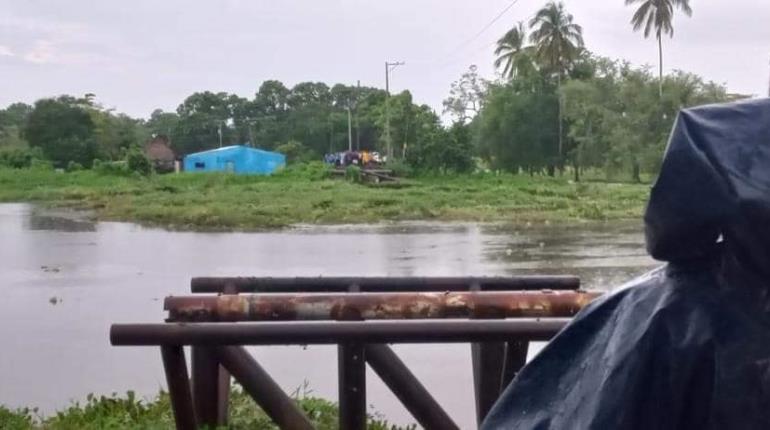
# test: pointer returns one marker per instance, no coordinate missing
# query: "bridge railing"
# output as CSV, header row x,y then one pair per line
x,y
498,316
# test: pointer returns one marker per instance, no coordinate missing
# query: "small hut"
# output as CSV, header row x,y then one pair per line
x,y
160,153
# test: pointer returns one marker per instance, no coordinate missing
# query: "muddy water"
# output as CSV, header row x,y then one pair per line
x,y
66,279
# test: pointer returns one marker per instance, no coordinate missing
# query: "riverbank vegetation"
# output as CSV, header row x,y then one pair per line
x,y
555,106
522,147
305,194
129,412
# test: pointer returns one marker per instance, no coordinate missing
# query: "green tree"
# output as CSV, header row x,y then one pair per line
x,y
557,41
162,123
202,117
64,130
466,96
657,15
516,127
12,120
513,55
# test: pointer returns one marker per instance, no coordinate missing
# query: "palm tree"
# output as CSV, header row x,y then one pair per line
x,y
558,42
658,14
509,50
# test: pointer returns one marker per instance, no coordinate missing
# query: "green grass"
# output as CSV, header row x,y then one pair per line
x,y
304,195
128,412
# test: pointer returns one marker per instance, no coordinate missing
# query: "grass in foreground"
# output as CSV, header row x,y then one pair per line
x,y
112,413
305,195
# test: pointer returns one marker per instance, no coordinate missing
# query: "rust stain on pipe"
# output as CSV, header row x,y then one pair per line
x,y
377,306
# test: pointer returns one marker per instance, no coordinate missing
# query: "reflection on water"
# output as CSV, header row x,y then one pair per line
x,y
100,273
40,219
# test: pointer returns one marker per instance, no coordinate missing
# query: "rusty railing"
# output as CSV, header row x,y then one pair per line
x,y
499,316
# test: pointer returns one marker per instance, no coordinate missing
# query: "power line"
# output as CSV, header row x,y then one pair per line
x,y
477,34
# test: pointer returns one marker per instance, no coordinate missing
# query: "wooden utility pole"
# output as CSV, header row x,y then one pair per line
x,y
388,144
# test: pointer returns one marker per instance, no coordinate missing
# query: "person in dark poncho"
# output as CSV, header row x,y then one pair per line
x,y
688,345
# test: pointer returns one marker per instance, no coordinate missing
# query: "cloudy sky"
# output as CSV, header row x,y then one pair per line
x,y
140,55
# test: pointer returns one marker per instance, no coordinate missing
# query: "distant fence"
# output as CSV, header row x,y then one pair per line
x,y
499,316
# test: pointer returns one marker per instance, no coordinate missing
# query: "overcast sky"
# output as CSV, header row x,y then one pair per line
x,y
140,55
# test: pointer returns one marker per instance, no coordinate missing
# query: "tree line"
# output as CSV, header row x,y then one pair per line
x,y
554,107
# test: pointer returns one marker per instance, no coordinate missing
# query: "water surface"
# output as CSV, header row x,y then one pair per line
x,y
65,279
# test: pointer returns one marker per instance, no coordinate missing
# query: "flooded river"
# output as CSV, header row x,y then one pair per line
x,y
66,279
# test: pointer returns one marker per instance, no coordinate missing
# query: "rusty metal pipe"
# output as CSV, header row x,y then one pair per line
x,y
376,306
317,333
379,284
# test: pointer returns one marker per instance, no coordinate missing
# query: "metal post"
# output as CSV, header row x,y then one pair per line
x,y
387,111
352,386
514,359
358,130
209,395
262,388
487,361
178,386
487,375
388,144
402,382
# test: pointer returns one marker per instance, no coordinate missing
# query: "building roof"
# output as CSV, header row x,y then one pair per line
x,y
232,148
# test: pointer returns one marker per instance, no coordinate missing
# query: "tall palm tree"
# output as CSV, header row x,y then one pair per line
x,y
658,15
509,50
558,42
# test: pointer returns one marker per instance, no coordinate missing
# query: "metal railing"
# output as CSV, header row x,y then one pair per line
x,y
499,316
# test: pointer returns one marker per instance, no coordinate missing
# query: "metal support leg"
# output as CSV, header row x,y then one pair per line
x,y
352,386
262,388
412,394
487,373
178,386
209,395
515,358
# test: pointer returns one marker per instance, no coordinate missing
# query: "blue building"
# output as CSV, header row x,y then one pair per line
x,y
237,159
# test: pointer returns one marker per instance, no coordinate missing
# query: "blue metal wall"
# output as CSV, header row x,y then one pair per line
x,y
237,159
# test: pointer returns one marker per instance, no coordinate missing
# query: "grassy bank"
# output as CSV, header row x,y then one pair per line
x,y
304,195
128,412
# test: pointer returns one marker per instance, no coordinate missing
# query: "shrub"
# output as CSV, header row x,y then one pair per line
x,y
111,167
138,162
400,169
19,158
74,166
295,152
353,174
312,171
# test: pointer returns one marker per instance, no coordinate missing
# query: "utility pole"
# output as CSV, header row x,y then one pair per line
x,y
358,130
388,144
350,131
219,131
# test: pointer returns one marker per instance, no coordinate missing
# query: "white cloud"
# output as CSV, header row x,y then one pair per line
x,y
6,51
